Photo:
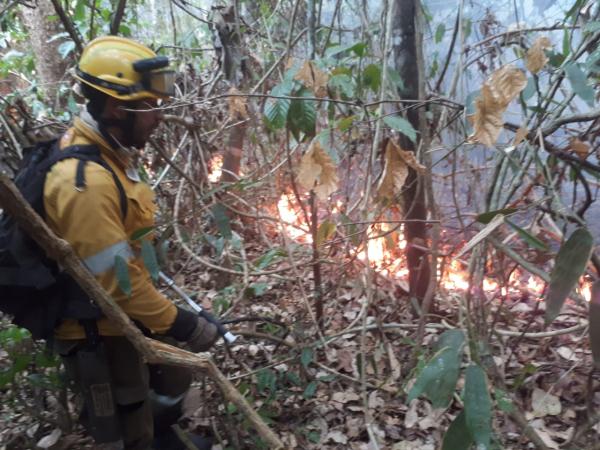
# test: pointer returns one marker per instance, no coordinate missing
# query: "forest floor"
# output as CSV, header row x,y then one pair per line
x,y
316,395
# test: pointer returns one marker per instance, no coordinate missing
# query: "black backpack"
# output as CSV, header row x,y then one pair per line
x,y
33,289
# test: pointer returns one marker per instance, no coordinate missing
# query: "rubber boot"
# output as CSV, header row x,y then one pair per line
x,y
167,410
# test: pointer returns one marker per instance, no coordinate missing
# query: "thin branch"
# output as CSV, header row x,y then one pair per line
x,y
68,24
114,26
584,117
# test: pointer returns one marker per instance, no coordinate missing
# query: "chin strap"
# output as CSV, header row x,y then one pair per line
x,y
125,125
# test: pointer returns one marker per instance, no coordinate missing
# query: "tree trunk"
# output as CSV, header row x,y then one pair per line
x,y
48,62
406,39
227,27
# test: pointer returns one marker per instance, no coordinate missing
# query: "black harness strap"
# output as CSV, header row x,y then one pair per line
x,y
85,153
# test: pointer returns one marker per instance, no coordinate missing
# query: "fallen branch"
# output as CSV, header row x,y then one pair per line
x,y
152,351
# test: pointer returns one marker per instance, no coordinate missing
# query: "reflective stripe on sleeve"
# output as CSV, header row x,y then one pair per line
x,y
105,259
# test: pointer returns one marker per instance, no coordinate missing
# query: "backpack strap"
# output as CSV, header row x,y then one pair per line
x,y
86,153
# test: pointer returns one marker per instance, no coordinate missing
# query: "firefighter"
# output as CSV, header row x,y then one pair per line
x,y
97,208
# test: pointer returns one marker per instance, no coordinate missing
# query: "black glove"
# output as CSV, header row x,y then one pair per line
x,y
197,332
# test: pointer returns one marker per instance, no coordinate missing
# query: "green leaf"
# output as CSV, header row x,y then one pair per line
x,y
402,125
487,217
266,379
310,390
302,116
566,50
269,257
395,78
307,356
438,378
529,90
351,231
221,220
439,32
79,14
314,436
359,49
579,83
570,264
453,339
276,111
372,77
458,436
65,48
141,233
344,84
325,232
149,258
467,28
503,401
528,237
122,273
345,123
259,289
478,406
595,323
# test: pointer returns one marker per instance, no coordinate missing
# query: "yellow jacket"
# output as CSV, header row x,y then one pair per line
x,y
91,221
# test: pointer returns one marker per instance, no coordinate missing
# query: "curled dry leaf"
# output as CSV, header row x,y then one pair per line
x,y
580,148
318,172
496,94
237,105
313,78
395,170
536,57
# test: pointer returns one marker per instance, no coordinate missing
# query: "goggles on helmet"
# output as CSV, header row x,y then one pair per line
x,y
154,80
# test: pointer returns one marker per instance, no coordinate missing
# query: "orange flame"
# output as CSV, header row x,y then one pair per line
x,y
214,167
390,260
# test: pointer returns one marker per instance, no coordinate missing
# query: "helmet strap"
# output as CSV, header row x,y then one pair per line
x,y
125,125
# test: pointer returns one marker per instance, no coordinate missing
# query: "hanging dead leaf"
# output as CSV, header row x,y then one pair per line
x,y
496,94
536,57
237,105
318,171
313,78
395,170
580,148
521,134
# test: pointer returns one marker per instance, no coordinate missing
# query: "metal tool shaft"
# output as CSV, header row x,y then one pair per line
x,y
229,337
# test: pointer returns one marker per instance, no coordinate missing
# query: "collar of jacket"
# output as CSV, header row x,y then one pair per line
x,y
87,127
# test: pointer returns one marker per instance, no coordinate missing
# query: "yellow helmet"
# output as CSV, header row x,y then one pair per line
x,y
125,69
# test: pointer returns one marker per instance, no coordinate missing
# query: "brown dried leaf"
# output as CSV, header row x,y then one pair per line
x,y
496,94
318,172
237,105
536,57
580,148
313,78
395,172
521,134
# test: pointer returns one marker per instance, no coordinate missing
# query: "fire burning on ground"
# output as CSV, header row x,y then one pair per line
x,y
214,168
389,260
